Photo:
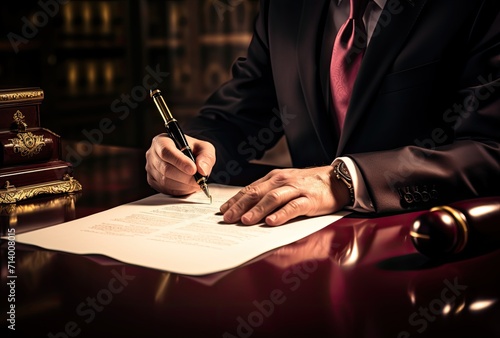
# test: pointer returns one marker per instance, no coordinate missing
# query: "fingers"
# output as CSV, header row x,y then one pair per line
x,y
170,171
163,173
277,207
240,203
165,178
253,192
204,153
286,200
170,187
282,196
169,155
295,208
253,203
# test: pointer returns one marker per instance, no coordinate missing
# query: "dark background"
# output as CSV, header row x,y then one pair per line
x,y
91,58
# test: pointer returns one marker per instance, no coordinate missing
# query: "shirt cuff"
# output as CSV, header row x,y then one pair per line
x,y
362,201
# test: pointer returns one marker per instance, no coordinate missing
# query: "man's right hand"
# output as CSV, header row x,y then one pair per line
x,y
171,172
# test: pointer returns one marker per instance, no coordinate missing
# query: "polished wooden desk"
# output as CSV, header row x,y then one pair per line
x,y
359,277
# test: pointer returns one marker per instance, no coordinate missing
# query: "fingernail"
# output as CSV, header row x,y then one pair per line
x,y
223,208
204,167
247,218
272,218
228,217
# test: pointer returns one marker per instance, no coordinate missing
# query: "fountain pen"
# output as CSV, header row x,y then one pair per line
x,y
175,133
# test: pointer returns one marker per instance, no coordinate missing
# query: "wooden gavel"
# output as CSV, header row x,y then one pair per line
x,y
457,227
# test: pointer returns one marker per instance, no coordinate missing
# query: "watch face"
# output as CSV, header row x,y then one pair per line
x,y
344,170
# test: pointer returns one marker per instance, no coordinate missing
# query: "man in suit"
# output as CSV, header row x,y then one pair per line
x,y
422,126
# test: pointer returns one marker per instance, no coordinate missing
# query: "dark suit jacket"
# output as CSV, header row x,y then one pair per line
x,y
423,125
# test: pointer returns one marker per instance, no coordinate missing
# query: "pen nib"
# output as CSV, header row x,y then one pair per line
x,y
204,187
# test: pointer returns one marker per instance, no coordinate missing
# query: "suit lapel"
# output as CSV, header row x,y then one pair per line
x,y
384,47
314,14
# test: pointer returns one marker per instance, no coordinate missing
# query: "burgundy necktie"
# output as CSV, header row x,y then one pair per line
x,y
348,50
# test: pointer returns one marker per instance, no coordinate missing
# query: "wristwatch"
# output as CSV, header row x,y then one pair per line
x,y
342,174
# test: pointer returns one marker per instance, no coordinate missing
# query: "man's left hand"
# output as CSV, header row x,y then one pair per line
x,y
285,194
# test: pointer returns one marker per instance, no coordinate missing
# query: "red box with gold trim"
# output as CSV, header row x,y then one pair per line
x,y
30,156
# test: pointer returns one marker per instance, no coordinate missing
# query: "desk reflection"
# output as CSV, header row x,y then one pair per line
x,y
358,277
38,213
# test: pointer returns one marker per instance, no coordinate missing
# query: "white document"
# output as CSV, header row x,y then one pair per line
x,y
180,235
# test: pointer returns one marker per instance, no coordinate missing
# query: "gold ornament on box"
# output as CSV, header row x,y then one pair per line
x,y
26,143
11,194
19,120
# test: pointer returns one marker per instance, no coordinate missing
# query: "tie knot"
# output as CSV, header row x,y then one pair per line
x,y
358,7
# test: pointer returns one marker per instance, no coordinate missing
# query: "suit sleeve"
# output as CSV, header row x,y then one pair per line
x,y
236,116
433,172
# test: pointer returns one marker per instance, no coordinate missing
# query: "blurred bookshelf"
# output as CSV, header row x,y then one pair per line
x,y
95,59
197,41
